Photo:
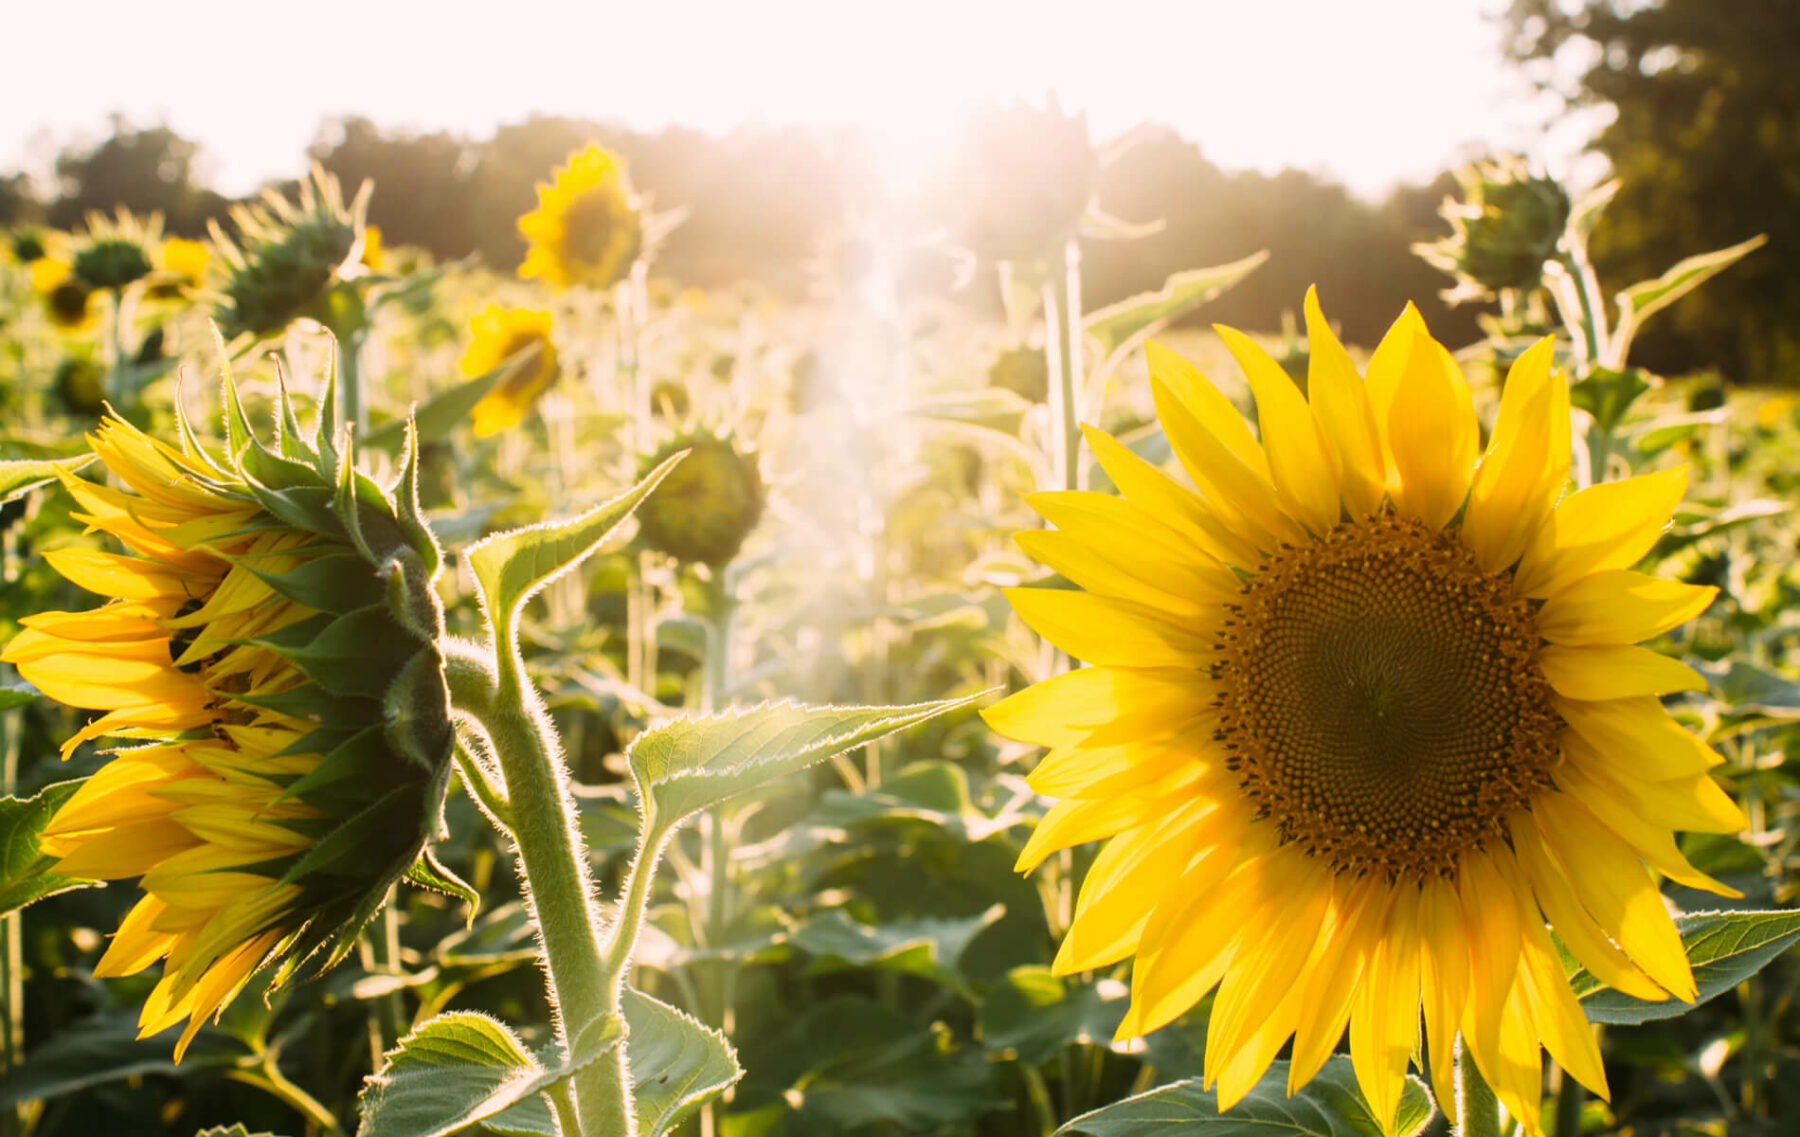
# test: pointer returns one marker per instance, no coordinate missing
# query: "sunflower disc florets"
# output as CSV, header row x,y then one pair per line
x,y
707,505
286,256
271,640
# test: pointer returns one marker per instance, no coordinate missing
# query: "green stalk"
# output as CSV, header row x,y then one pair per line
x,y
350,406
12,954
267,1076
115,378
1569,1097
1072,366
714,695
553,865
1477,1110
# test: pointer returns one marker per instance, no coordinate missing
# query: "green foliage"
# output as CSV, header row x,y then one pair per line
x,y
25,873
690,765
1724,948
1328,1106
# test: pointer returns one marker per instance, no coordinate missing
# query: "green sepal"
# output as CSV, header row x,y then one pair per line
x,y
350,841
407,512
336,582
411,600
416,711
299,507
355,654
429,872
352,757
290,439
315,704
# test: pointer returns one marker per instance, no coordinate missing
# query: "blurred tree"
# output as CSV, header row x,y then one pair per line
x,y
1358,254
1707,142
148,170
19,204
423,194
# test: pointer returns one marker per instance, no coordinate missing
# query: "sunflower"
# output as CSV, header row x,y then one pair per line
x,y
586,228
708,510
1365,716
501,333
68,300
295,726
181,267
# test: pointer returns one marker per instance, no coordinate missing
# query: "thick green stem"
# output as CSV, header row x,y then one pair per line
x,y
553,863
1569,1097
351,385
1072,378
267,1076
115,378
1477,1110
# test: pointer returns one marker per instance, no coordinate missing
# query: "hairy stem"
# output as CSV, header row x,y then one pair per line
x,y
552,861
1477,1110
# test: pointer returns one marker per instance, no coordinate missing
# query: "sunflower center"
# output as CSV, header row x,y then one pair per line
x,y
1382,700
591,228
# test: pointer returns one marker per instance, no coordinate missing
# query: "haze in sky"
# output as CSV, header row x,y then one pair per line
x,y
1372,92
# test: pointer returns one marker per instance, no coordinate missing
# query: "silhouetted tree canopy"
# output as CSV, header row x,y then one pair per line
x,y
1707,143
147,171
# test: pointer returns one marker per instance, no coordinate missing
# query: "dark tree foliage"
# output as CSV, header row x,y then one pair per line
x,y
1359,255
1707,143
149,170
18,204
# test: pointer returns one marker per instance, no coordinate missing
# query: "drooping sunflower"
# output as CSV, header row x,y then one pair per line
x,y
1365,719
272,642
501,333
68,300
588,227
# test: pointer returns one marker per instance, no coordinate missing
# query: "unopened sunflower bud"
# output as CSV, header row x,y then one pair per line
x,y
81,385
1503,231
286,257
116,252
707,505
1025,179
272,633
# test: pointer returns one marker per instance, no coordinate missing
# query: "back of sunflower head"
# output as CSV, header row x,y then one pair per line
x,y
273,633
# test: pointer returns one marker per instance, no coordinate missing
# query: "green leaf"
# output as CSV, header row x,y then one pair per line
x,y
106,1048
928,948
456,1070
1032,1014
1749,689
1148,312
1328,1106
1724,948
25,873
691,764
429,872
16,696
676,1063
1607,395
510,567
446,410
21,476
1640,300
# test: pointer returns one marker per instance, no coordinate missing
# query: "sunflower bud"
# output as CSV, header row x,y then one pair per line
x,y
27,246
81,385
588,227
271,636
116,253
707,505
1504,230
286,257
1023,371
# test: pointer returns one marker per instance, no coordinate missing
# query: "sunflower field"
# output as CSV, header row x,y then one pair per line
x,y
439,697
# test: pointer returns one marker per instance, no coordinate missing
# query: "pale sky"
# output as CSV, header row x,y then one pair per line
x,y
1371,91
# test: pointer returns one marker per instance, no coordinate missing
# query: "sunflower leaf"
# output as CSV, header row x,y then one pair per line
x,y
1724,949
18,477
1328,1106
1639,301
106,1048
458,1069
1144,314
693,764
446,410
25,873
511,567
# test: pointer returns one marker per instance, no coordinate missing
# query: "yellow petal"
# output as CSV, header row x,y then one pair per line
x,y
1299,457
1613,885
1156,494
1561,1025
1493,934
1620,607
1237,492
1110,632
1129,876
1695,804
1615,671
1432,434
1585,939
1651,841
1384,1027
1333,978
1639,735
1445,985
1342,409
1215,413
1067,708
1608,526
1526,465
129,578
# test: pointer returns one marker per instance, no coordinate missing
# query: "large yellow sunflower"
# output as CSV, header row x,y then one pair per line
x,y
501,333
1365,717
248,638
586,228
